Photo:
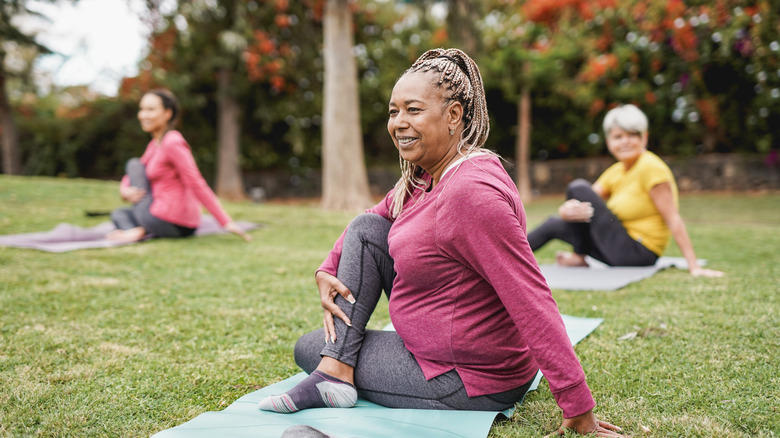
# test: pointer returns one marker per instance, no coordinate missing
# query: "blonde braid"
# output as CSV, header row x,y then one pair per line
x,y
459,75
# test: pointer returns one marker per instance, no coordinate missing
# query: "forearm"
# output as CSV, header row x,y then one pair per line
x,y
680,235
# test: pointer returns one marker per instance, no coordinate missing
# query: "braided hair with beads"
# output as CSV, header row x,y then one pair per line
x,y
458,75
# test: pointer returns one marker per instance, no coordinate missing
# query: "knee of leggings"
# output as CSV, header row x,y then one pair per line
x,y
367,221
576,187
131,163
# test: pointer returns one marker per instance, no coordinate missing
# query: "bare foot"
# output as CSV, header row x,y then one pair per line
x,y
127,236
570,259
114,235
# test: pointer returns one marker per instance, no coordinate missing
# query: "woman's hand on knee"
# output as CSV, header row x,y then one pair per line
x,y
329,287
576,211
131,194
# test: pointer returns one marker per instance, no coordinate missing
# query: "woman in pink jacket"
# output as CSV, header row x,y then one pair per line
x,y
164,185
473,315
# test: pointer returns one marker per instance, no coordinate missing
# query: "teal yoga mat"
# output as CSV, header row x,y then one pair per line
x,y
366,420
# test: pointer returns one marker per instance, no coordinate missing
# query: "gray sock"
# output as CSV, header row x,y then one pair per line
x,y
319,390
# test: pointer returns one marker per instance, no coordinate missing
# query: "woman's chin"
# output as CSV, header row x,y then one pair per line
x,y
409,155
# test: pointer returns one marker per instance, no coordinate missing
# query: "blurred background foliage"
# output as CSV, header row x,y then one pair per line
x,y
706,72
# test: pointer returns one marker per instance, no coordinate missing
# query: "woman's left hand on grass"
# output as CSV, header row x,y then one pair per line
x,y
233,228
698,271
588,424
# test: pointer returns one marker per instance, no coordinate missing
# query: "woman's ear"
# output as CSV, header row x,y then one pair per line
x,y
454,114
169,116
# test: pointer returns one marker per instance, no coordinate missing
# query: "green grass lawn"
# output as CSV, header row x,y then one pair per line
x,y
128,341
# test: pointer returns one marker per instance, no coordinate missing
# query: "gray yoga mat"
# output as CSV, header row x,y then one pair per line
x,y
66,237
366,420
599,276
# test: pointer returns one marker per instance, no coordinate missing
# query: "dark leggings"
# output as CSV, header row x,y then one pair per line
x,y
139,215
604,238
386,372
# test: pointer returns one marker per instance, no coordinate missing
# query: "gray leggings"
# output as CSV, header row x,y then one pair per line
x,y
139,215
604,238
386,372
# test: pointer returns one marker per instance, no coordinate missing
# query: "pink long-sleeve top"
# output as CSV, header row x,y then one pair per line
x,y
468,293
178,188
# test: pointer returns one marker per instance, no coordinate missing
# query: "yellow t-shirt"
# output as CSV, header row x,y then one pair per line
x,y
629,199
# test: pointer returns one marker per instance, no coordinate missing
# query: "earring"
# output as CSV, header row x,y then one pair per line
x,y
452,132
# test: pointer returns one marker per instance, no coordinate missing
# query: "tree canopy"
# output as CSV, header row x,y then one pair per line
x,y
704,72
707,73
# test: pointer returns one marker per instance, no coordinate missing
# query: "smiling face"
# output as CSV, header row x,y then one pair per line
x,y
626,146
420,121
154,117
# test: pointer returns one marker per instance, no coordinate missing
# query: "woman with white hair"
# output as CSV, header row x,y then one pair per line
x,y
626,217
474,318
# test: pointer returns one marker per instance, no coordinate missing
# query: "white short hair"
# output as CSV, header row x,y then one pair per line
x,y
626,117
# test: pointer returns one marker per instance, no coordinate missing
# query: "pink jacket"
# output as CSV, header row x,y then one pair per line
x,y
178,188
469,294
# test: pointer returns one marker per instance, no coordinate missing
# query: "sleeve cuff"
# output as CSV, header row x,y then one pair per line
x,y
575,400
327,266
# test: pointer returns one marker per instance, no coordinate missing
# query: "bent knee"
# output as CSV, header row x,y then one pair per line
x,y
368,221
134,163
578,188
369,226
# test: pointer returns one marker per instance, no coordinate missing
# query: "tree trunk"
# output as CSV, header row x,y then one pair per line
x,y
344,177
523,145
12,164
230,184
462,16
710,140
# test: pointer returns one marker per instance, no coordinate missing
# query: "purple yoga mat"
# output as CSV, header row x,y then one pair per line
x,y
67,237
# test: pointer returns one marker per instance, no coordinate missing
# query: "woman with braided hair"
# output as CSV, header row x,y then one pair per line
x,y
474,317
